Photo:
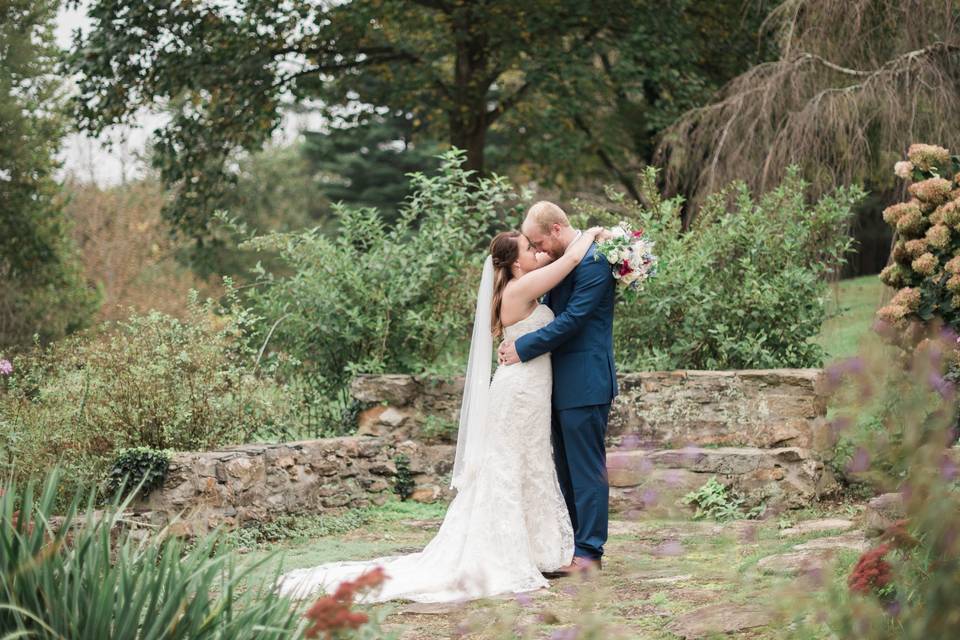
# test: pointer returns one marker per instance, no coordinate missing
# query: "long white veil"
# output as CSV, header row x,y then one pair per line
x,y
471,435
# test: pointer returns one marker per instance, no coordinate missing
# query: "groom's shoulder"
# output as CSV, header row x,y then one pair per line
x,y
590,258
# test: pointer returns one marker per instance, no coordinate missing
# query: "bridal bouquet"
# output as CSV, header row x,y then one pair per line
x,y
630,254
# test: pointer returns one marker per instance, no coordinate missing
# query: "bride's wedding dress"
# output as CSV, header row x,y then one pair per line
x,y
505,526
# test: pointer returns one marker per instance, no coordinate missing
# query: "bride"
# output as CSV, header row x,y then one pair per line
x,y
508,522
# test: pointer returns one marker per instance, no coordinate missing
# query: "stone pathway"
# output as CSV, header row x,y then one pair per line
x,y
662,579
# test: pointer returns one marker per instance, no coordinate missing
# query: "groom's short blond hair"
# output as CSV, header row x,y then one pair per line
x,y
545,214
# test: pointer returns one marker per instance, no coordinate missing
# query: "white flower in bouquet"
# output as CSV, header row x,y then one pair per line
x,y
631,257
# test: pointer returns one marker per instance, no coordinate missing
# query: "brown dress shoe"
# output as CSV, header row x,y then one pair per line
x,y
578,566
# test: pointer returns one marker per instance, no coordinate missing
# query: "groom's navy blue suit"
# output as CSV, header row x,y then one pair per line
x,y
580,340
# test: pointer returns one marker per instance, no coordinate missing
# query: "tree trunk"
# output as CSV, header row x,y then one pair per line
x,y
471,83
471,136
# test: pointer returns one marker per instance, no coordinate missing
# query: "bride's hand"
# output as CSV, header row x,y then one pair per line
x,y
599,233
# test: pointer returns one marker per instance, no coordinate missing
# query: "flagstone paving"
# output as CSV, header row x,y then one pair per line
x,y
661,579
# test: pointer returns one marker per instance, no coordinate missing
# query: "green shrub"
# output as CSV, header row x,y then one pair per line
x,y
439,428
140,468
152,381
81,581
744,287
403,483
714,501
374,297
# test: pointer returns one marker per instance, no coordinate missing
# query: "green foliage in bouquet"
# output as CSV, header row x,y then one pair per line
x,y
377,297
83,579
152,381
926,254
743,287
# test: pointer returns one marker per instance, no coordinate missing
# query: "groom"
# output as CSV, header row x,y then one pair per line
x,y
580,340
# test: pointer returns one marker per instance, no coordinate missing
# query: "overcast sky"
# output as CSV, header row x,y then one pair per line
x,y
89,159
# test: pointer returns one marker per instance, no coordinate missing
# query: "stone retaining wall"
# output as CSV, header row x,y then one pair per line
x,y
757,431
259,482
761,408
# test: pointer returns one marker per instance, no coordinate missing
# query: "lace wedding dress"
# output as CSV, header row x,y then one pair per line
x,y
505,526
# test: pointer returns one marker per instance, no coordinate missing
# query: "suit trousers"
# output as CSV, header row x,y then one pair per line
x,y
580,455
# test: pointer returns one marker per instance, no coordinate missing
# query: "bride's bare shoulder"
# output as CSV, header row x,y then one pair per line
x,y
513,309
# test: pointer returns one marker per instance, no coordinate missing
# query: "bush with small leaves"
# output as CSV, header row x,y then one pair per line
x,y
151,381
375,296
744,287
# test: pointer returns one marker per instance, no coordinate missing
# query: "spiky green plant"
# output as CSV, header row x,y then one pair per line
x,y
76,577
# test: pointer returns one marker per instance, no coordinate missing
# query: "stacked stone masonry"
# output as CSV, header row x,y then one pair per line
x,y
759,432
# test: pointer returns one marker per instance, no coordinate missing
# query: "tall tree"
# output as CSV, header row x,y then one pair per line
x,y
367,165
224,69
42,291
855,83
602,125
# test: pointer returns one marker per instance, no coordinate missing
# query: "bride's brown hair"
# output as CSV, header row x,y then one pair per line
x,y
504,250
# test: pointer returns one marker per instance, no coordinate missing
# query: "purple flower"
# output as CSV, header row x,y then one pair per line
x,y
948,468
650,497
840,423
893,608
947,334
668,548
860,461
906,492
568,633
855,365
524,600
6,367
750,534
940,384
953,435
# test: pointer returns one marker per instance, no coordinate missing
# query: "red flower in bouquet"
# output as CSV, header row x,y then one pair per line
x,y
630,255
332,613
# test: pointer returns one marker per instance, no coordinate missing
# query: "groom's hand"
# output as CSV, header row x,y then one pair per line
x,y
507,353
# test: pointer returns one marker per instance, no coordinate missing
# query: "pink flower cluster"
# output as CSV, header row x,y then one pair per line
x,y
926,254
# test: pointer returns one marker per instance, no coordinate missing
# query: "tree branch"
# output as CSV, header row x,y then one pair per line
x,y
532,79
609,164
435,4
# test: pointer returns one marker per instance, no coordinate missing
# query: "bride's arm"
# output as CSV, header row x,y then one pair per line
x,y
532,285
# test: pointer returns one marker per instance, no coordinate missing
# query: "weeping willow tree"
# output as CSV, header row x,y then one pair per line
x,y
855,83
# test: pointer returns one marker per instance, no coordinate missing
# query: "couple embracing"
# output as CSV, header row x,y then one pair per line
x,y
530,468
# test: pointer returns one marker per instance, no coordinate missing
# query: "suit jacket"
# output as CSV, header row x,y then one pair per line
x,y
580,339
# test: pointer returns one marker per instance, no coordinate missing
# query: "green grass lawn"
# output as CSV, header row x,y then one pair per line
x,y
852,304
